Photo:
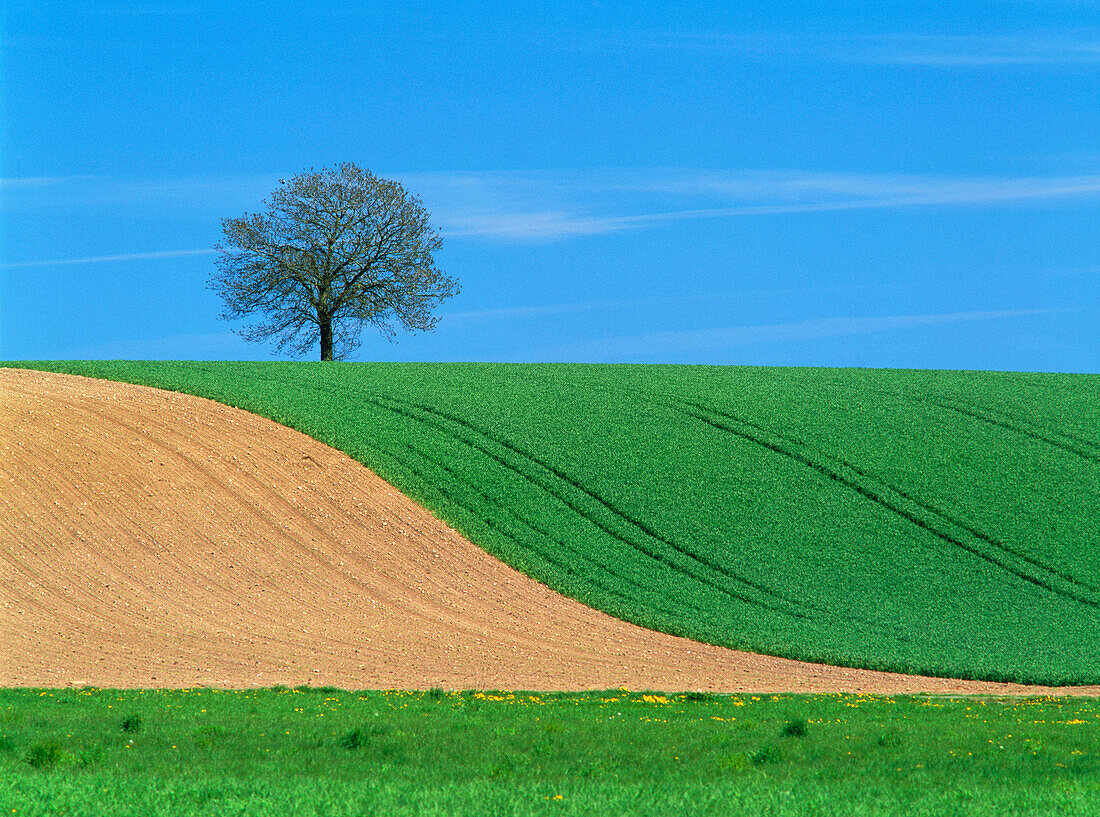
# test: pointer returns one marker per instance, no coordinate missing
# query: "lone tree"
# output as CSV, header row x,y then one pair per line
x,y
336,250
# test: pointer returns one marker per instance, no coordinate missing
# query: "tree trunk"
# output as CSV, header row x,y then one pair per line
x,y
325,322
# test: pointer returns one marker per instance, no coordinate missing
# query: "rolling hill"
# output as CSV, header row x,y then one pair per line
x,y
940,523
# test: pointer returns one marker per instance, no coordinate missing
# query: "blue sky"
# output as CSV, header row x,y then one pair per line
x,y
857,184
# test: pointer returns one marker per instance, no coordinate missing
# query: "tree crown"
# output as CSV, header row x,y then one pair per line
x,y
335,250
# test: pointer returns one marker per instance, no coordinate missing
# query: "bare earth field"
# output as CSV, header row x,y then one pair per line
x,y
153,539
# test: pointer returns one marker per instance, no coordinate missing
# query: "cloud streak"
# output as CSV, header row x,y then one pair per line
x,y
951,51
1079,47
547,225
214,194
200,346
702,340
31,182
550,206
558,205
102,259
536,311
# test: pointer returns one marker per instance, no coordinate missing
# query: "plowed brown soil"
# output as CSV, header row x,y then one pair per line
x,y
153,539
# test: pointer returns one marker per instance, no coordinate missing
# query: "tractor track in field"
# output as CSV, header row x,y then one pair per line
x,y
1084,447
1073,443
455,475
564,566
633,543
803,609
875,490
154,539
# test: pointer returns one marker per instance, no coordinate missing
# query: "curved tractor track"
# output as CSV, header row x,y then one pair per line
x,y
153,539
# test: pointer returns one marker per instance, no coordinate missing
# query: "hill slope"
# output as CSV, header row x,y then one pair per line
x,y
154,539
932,522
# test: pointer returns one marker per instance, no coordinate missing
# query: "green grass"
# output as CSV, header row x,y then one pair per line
x,y
918,521
330,752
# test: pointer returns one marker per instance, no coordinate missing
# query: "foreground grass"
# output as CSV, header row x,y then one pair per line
x,y
916,521
210,752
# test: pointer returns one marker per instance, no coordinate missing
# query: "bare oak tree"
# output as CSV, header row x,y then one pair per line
x,y
335,251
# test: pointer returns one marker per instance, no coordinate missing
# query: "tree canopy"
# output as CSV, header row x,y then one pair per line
x,y
335,251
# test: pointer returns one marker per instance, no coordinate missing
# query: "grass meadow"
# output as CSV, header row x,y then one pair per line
x,y
330,752
917,521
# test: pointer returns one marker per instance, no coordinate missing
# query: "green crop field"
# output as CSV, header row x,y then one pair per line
x,y
918,521
86,753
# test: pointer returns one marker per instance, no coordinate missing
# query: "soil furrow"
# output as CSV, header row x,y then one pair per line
x,y
272,510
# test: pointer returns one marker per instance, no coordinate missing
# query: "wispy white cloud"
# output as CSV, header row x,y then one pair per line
x,y
514,312
31,182
552,225
200,346
101,259
701,340
1078,47
556,205
948,51
541,310
510,313
793,185
213,194
864,193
